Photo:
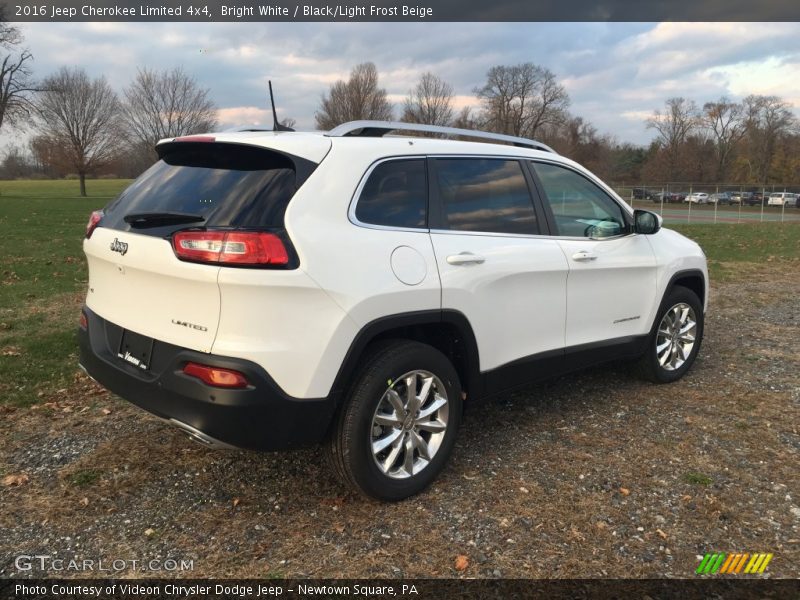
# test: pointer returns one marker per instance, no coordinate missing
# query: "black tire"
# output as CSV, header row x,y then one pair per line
x,y
649,365
350,445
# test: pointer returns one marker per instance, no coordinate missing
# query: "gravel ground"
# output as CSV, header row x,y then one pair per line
x,y
591,475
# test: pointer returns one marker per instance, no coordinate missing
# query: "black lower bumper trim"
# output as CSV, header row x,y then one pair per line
x,y
259,417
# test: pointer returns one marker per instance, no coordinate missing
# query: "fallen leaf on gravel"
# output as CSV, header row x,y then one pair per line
x,y
462,562
236,502
85,501
624,491
524,490
149,531
339,528
600,525
15,479
662,534
106,411
686,497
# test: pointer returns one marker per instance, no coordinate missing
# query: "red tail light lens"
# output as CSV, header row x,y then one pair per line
x,y
224,378
94,219
230,247
84,322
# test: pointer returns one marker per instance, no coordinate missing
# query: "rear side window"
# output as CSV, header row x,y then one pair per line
x,y
395,195
228,185
488,195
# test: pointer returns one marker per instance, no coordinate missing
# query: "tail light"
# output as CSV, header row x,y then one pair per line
x,y
94,219
215,376
84,322
230,247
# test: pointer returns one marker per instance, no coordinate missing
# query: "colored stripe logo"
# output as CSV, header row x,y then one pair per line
x,y
733,563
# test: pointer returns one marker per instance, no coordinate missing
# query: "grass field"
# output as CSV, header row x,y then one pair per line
x,y
44,275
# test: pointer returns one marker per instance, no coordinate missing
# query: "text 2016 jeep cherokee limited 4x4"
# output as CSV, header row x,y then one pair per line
x,y
270,289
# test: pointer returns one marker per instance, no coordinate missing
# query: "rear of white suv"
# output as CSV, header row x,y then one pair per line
x,y
268,290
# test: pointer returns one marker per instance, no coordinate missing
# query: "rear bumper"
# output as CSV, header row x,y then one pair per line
x,y
259,417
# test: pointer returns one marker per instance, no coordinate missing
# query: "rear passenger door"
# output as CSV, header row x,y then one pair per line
x,y
495,265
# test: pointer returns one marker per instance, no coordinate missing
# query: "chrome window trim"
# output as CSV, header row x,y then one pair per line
x,y
351,210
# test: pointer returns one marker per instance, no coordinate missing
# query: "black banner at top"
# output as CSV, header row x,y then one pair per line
x,y
400,10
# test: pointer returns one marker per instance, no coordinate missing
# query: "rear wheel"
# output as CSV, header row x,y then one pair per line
x,y
399,424
676,336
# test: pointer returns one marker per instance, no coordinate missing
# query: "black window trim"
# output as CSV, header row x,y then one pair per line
x,y
551,222
436,206
351,210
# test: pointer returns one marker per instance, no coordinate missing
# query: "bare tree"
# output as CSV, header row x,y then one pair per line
x,y
357,98
166,104
16,84
430,102
521,99
725,120
768,119
81,116
673,126
9,34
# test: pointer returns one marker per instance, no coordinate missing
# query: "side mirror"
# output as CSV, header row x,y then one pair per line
x,y
646,222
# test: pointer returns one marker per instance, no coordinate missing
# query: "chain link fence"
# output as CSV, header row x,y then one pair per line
x,y
681,202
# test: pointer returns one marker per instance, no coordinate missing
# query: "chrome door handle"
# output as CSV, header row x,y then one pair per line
x,y
584,255
465,258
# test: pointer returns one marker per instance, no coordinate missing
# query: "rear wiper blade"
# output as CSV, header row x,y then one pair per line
x,y
154,219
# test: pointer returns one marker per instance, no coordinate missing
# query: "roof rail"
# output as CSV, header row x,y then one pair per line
x,y
381,128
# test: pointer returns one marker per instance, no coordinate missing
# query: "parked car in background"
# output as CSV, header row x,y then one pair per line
x,y
781,199
721,198
741,197
697,198
752,198
643,194
669,197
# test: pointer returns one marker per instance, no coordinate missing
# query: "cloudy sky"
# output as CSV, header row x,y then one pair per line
x,y
616,73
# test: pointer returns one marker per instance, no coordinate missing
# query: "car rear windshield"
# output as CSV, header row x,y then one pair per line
x,y
221,185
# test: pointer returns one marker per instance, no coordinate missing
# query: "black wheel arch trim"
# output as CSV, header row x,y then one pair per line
x,y
683,274
374,329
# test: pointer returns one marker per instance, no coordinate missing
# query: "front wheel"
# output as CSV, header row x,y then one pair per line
x,y
399,424
675,339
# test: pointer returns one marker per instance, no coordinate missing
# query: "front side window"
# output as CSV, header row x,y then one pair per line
x,y
395,195
580,208
488,195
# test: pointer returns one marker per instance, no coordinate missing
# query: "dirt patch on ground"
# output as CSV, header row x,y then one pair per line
x,y
592,475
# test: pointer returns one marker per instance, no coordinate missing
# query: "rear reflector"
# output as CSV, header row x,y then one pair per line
x,y
224,378
230,247
84,323
94,219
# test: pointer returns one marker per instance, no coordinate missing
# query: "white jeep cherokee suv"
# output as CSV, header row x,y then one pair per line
x,y
271,289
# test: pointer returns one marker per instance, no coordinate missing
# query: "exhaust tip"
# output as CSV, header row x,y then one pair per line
x,y
200,437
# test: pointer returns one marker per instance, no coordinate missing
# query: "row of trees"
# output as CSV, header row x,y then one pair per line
x,y
82,126
752,142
